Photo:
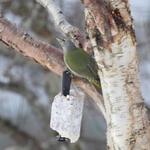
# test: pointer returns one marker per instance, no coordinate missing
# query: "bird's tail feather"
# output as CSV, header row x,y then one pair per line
x,y
97,85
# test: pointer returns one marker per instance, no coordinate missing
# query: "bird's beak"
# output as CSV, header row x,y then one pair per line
x,y
61,41
57,38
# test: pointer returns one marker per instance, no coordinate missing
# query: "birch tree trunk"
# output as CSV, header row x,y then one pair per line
x,y
111,36
110,28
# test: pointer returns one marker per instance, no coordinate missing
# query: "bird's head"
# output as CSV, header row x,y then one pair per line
x,y
67,45
62,42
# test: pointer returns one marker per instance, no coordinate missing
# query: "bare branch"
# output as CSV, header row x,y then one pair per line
x,y
43,53
65,28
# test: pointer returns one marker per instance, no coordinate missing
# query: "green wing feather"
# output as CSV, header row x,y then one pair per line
x,y
82,64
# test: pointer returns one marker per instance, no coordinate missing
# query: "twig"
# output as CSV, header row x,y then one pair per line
x,y
65,28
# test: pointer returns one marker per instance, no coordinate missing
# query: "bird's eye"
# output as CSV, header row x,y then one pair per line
x,y
63,40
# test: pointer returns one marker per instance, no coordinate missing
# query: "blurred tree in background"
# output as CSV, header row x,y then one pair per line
x,y
27,89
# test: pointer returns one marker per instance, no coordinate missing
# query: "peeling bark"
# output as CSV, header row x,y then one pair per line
x,y
127,123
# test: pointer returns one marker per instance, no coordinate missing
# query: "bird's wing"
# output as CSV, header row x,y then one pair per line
x,y
81,64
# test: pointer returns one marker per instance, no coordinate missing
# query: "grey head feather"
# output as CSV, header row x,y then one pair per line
x,y
67,45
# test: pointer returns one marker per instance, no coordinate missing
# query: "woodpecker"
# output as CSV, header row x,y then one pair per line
x,y
80,63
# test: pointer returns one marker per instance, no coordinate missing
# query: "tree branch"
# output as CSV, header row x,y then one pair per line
x,y
64,27
40,52
45,54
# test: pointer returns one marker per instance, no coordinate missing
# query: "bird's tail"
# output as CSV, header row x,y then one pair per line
x,y
97,85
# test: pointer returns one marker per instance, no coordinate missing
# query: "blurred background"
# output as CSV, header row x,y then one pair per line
x,y
27,89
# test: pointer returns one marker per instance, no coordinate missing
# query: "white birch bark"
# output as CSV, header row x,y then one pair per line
x,y
127,122
64,27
